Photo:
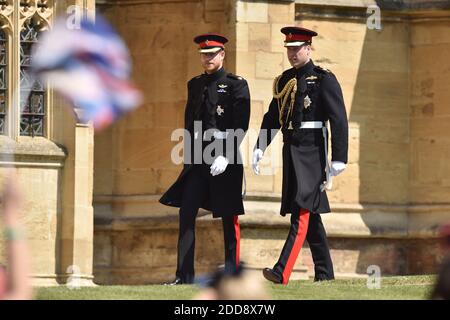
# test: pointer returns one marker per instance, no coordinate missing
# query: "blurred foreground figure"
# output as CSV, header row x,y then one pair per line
x,y
238,285
14,279
442,288
90,66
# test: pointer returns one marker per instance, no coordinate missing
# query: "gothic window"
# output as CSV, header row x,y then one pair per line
x,y
32,92
3,80
21,24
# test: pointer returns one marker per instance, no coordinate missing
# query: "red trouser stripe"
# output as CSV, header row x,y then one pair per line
x,y
298,243
237,232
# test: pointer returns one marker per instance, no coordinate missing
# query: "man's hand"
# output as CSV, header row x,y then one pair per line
x,y
337,167
257,156
219,165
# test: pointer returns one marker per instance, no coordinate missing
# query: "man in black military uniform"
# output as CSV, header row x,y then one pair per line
x,y
305,98
216,118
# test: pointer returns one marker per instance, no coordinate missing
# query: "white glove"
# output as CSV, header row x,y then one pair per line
x,y
219,165
337,167
257,156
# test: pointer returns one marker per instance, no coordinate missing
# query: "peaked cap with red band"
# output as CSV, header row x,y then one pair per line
x,y
211,42
296,36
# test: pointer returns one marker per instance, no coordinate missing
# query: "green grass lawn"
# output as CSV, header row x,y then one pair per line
x,y
392,288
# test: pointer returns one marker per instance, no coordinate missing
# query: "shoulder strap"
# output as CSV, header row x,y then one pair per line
x,y
233,76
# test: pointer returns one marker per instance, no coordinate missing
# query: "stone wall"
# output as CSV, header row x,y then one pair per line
x,y
429,98
38,165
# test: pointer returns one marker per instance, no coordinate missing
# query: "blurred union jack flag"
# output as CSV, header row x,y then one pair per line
x,y
90,66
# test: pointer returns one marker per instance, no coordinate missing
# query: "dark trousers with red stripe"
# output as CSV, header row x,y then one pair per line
x,y
310,227
195,192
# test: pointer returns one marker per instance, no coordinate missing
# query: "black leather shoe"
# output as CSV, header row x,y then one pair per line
x,y
175,282
270,275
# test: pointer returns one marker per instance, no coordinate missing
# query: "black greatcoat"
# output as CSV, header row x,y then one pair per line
x,y
303,149
228,103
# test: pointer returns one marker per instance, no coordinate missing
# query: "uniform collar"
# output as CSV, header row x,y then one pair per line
x,y
215,76
304,69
